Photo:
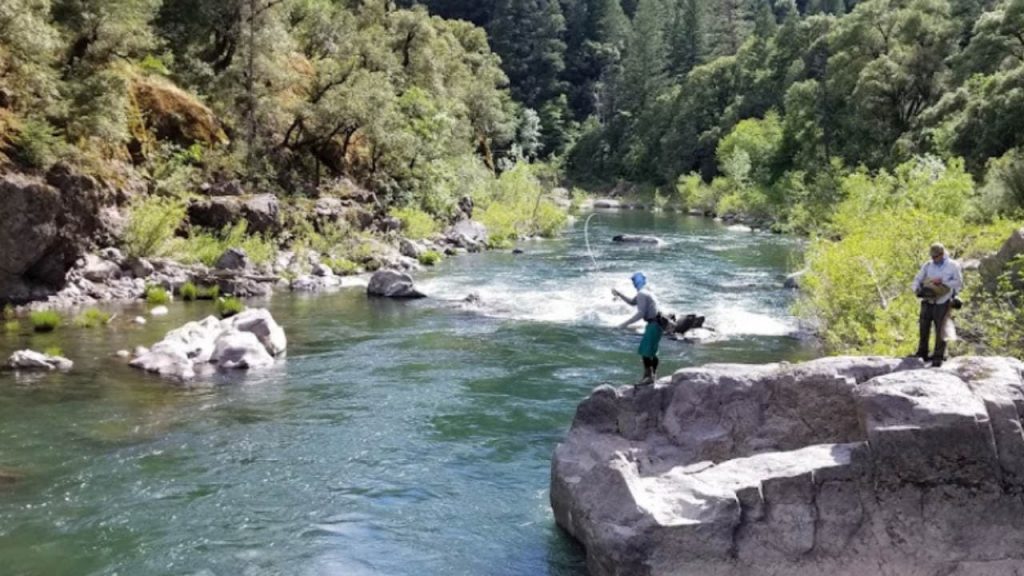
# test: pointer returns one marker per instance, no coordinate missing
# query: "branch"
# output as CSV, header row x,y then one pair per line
x,y
874,278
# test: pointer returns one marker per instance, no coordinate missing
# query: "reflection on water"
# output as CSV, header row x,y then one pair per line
x,y
396,438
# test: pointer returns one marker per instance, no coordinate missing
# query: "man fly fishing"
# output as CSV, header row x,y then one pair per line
x,y
646,310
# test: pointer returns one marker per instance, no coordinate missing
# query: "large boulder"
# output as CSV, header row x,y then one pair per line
x,y
392,284
840,466
251,339
48,226
28,210
262,213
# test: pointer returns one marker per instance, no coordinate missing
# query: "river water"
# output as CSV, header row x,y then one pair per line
x,y
398,438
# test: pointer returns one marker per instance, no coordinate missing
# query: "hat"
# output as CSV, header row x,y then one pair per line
x,y
639,280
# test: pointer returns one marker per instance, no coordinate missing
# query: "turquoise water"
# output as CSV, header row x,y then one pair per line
x,y
397,438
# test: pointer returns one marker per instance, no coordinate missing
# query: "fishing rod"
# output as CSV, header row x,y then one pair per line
x,y
586,237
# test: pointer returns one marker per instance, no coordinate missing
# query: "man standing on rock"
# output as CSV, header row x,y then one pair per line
x,y
936,284
647,310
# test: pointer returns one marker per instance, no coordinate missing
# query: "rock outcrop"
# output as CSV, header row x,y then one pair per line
x,y
251,339
49,225
262,213
839,466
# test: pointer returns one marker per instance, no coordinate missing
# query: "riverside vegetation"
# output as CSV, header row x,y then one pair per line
x,y
873,126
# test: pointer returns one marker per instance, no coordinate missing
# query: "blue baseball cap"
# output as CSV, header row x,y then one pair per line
x,y
639,280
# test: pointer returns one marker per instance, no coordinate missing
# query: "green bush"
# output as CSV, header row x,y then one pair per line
x,y
857,287
208,292
416,223
341,266
150,225
92,318
514,207
44,320
37,143
430,257
12,326
188,292
229,306
7,313
53,351
206,247
156,295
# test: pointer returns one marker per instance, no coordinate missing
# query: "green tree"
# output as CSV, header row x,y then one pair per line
x,y
686,37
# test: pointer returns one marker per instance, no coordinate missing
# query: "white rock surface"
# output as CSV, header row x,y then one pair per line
x,y
31,360
251,339
159,311
840,466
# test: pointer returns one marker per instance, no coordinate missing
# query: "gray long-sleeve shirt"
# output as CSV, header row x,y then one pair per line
x,y
646,306
948,272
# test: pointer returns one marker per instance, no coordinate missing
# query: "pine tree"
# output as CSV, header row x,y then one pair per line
x,y
528,35
686,37
645,61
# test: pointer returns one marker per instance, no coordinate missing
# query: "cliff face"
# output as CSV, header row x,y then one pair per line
x,y
48,224
840,466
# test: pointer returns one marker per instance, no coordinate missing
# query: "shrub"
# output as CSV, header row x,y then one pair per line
x,y
430,257
206,247
208,292
92,318
8,312
54,351
188,292
341,266
229,306
37,143
12,326
44,320
151,225
515,207
416,223
156,295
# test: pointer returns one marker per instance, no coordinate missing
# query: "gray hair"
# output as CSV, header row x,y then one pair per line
x,y
937,249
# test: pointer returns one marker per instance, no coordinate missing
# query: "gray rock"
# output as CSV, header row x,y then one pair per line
x,y
468,234
838,466
322,270
159,311
97,269
215,212
29,360
392,284
233,259
247,340
607,204
259,322
992,268
139,267
240,350
263,214
638,239
410,249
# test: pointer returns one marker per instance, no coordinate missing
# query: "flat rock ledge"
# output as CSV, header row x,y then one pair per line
x,y
839,466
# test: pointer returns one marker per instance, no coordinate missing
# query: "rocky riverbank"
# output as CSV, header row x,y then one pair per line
x,y
61,243
842,466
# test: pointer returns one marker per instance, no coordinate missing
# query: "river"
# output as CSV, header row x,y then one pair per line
x,y
398,438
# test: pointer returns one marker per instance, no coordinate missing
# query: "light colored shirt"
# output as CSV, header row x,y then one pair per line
x,y
947,271
646,306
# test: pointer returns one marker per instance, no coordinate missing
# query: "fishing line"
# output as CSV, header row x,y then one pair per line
x,y
586,236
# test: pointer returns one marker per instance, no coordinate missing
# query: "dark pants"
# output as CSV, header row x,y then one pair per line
x,y
932,315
